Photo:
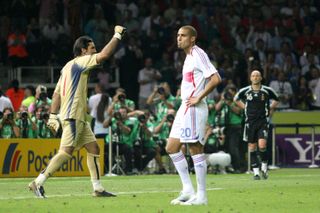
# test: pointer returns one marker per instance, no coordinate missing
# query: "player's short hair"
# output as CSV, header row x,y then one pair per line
x,y
191,29
81,42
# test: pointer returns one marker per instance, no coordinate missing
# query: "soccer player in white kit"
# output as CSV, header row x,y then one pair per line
x,y
200,77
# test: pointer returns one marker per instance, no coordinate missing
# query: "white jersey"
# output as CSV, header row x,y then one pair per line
x,y
190,122
196,68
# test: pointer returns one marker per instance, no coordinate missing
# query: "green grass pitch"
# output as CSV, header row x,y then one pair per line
x,y
286,190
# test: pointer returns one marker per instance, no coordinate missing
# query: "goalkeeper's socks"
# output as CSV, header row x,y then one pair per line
x,y
181,165
96,184
40,179
56,162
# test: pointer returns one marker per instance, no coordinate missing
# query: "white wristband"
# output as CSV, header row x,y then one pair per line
x,y
117,35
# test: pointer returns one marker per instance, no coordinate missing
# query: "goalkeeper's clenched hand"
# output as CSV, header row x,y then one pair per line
x,y
119,31
53,123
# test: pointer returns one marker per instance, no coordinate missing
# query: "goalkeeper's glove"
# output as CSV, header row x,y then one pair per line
x,y
119,31
53,123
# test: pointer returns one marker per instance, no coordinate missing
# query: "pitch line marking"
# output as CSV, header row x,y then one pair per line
x,y
87,195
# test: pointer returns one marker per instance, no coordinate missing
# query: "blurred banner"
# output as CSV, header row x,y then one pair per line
x,y
295,149
28,157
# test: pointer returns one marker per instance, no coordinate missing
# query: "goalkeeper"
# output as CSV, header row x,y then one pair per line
x,y
70,96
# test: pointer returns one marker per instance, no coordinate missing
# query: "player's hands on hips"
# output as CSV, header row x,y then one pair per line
x,y
119,31
53,123
192,101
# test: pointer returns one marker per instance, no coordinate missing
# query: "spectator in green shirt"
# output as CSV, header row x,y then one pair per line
x,y
162,99
124,130
163,131
120,100
41,118
233,126
145,146
26,125
8,127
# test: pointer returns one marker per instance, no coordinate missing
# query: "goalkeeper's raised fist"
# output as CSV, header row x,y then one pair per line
x,y
53,123
119,31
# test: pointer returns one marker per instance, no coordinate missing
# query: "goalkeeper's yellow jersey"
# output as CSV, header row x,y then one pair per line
x,y
73,87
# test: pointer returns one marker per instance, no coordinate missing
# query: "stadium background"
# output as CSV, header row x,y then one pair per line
x,y
238,36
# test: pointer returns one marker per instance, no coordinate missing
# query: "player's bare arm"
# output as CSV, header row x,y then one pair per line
x,y
214,80
273,107
107,51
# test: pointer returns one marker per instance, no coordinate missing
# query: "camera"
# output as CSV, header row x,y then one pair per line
x,y
117,115
43,96
10,116
121,97
170,117
161,90
228,96
44,116
219,130
142,118
24,115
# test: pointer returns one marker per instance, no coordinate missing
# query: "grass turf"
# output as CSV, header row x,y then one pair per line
x,y
286,190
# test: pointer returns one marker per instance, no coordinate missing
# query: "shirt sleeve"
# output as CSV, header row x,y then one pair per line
x,y
240,95
87,62
272,94
203,63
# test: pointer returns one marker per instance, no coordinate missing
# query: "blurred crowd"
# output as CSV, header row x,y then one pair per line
x,y
279,37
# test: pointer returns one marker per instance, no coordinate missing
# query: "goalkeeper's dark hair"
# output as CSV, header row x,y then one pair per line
x,y
101,108
81,42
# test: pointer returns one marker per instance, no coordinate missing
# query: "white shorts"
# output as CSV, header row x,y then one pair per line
x,y
190,123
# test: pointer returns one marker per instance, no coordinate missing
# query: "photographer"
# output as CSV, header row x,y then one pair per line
x,y
216,157
123,129
41,119
233,118
163,100
120,100
41,99
163,130
8,127
144,147
26,125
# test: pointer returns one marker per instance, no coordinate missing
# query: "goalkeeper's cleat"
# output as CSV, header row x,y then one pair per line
x,y
256,177
103,194
37,190
195,201
183,197
264,175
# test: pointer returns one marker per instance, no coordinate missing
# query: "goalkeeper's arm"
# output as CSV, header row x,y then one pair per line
x,y
107,51
55,104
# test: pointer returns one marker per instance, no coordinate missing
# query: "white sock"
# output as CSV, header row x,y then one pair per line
x,y
97,185
40,179
200,167
264,167
256,171
181,165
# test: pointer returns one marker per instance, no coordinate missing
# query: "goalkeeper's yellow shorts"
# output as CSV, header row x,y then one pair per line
x,y
76,133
